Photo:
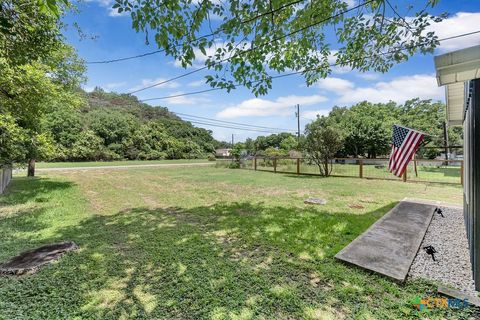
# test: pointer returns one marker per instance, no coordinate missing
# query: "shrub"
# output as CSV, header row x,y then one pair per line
x,y
234,165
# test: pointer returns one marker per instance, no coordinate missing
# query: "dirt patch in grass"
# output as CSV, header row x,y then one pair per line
x,y
150,202
94,200
31,261
356,206
243,212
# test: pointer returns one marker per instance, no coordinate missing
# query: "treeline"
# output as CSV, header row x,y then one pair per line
x,y
366,130
110,126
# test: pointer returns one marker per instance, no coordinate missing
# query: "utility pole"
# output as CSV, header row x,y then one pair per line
x,y
232,141
297,114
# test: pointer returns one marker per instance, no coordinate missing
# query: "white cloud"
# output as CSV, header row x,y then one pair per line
x,y
150,82
183,100
197,83
368,76
115,85
114,13
423,86
200,58
335,84
312,114
103,3
331,57
262,107
350,3
461,22
88,89
108,4
332,60
341,69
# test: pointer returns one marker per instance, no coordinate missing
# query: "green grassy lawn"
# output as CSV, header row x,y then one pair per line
x,y
203,243
113,163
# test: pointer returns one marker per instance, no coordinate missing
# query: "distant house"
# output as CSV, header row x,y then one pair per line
x,y
223,152
459,71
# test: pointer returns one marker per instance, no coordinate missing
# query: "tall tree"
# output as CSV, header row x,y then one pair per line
x,y
29,93
322,141
368,128
38,70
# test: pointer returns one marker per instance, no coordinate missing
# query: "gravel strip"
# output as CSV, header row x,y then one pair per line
x,y
452,266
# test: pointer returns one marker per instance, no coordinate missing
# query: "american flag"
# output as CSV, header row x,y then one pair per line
x,y
405,143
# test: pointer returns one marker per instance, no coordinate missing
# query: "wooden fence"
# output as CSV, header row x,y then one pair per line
x,y
419,170
5,178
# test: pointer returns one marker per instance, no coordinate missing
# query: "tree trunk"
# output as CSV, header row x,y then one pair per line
x,y
325,167
31,168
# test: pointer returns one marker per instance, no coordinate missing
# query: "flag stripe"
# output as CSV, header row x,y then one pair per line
x,y
399,154
405,143
403,147
406,151
408,155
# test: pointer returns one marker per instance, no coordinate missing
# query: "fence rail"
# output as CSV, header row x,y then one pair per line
x,y
5,178
419,170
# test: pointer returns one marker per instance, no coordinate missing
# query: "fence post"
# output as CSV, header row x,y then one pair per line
x,y
255,163
1,180
298,165
360,173
275,165
405,175
415,165
461,173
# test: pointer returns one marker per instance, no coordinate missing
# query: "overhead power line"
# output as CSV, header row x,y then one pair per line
x,y
195,39
232,127
273,11
183,115
253,48
194,120
182,94
304,70
126,58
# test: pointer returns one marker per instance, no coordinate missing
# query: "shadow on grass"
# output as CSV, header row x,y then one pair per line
x,y
222,261
22,212
23,189
303,175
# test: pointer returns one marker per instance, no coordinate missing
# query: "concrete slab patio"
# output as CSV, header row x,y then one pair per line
x,y
389,246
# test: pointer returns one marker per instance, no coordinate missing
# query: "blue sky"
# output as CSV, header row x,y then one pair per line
x,y
114,38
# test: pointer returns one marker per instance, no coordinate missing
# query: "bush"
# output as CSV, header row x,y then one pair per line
x,y
431,153
87,147
212,158
234,165
108,155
